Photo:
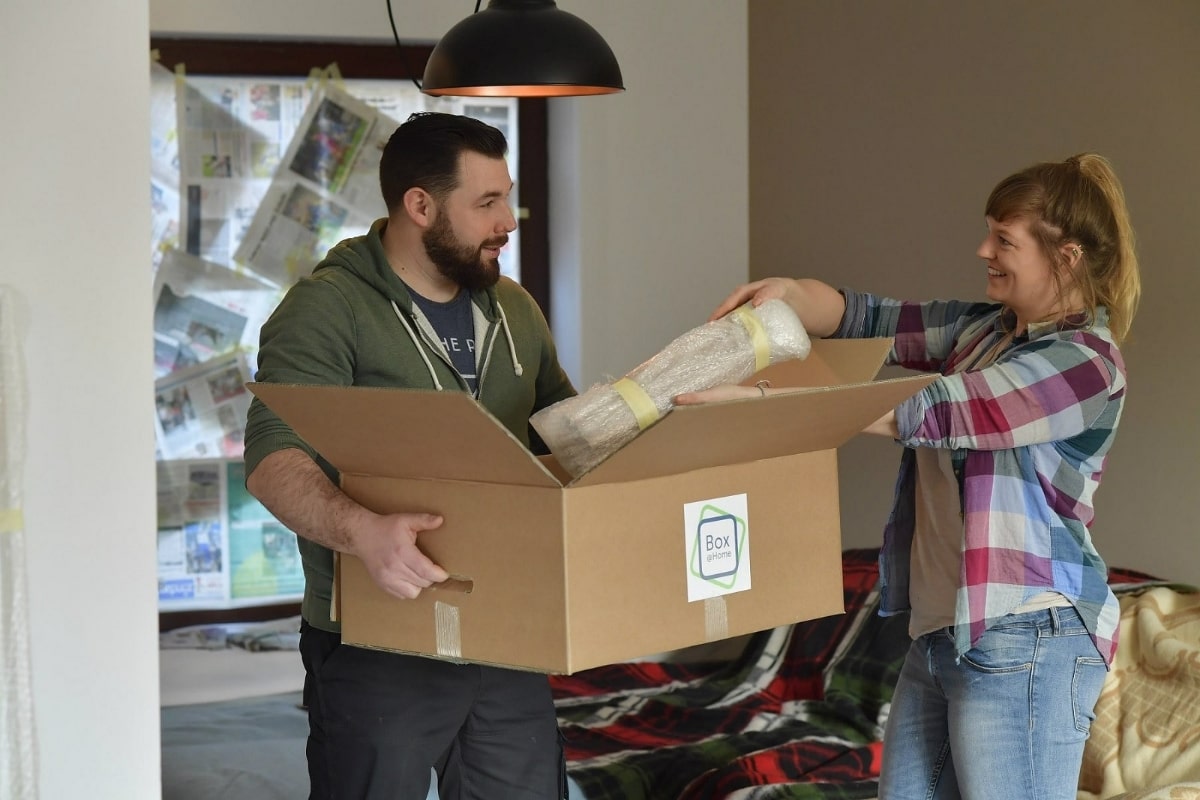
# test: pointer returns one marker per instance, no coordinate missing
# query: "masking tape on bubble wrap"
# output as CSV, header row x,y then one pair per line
x,y
639,402
758,336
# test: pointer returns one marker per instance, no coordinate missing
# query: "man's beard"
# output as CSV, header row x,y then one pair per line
x,y
460,262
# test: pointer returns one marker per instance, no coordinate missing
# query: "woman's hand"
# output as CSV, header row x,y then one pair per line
x,y
718,394
756,293
818,305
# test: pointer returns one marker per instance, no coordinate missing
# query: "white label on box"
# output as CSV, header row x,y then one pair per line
x,y
717,543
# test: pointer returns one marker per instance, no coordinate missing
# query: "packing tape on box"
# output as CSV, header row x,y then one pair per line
x,y
11,520
758,336
716,619
643,408
448,630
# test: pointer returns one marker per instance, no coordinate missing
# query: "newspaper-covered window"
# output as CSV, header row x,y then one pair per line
x,y
275,171
253,179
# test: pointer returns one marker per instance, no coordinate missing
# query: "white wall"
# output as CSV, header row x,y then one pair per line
x,y
657,177
74,220
653,183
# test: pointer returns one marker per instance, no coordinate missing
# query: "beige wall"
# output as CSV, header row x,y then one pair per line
x,y
877,130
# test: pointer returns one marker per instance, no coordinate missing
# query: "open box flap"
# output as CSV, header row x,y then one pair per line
x,y
404,433
831,362
716,434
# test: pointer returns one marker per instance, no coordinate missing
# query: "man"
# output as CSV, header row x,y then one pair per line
x,y
418,302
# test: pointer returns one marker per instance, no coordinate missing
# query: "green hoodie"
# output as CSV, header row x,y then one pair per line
x,y
353,323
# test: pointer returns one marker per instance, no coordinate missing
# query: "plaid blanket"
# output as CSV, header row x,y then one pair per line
x,y
799,714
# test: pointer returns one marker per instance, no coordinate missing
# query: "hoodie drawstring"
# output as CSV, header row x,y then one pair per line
x,y
417,343
518,370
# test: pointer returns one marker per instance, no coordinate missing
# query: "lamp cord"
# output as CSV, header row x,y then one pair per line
x,y
412,75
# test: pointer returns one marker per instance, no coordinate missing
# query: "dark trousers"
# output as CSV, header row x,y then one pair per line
x,y
379,721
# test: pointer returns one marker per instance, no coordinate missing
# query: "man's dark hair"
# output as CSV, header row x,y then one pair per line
x,y
424,151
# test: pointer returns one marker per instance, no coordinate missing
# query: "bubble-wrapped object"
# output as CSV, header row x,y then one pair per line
x,y
584,430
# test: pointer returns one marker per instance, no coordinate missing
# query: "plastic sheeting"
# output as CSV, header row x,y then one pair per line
x,y
18,752
582,431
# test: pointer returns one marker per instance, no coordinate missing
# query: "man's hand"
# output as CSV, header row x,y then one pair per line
x,y
388,549
296,491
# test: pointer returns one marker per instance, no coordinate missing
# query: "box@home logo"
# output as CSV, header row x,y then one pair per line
x,y
717,536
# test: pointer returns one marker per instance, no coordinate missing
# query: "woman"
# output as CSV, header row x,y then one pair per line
x,y
987,545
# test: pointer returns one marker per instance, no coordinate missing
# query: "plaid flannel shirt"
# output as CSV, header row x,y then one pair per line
x,y
1031,432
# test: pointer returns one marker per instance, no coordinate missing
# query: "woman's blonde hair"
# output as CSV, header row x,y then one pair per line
x,y
1079,200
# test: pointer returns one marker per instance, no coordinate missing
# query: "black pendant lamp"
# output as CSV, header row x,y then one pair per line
x,y
522,48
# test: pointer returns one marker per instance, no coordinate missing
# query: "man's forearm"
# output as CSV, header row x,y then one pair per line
x,y
301,496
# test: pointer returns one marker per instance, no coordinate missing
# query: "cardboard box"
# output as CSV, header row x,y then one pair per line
x,y
716,521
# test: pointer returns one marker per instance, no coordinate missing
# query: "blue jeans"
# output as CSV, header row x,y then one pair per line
x,y
1008,720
